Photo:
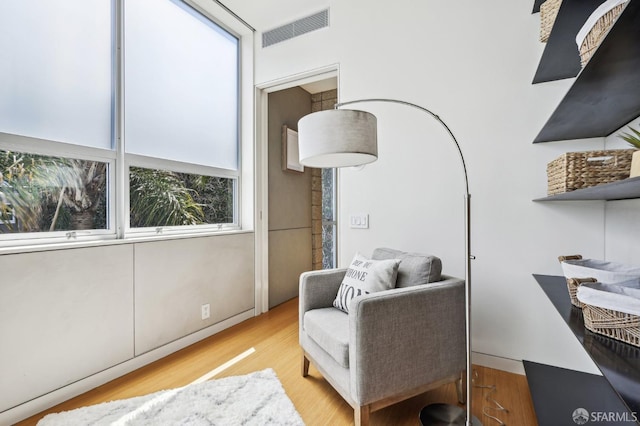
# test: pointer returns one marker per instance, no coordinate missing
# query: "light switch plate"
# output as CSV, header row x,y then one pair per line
x,y
359,221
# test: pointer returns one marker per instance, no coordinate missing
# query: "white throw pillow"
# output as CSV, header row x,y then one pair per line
x,y
366,276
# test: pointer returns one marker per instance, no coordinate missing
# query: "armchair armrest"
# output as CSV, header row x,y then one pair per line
x,y
402,338
318,289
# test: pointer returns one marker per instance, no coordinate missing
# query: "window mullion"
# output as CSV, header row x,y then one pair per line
x,y
121,185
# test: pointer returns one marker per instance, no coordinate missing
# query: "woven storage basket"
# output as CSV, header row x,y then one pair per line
x,y
548,12
575,170
574,283
617,325
598,32
572,286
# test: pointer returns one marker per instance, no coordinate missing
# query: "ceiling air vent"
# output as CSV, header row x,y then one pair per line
x,y
296,28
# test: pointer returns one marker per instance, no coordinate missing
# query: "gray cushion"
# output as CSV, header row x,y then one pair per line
x,y
329,328
414,268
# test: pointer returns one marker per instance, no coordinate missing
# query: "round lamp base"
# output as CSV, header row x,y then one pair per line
x,y
445,415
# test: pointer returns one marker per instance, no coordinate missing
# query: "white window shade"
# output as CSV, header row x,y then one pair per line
x,y
56,67
180,85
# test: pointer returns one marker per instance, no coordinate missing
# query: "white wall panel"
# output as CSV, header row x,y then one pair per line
x,y
64,315
67,315
174,278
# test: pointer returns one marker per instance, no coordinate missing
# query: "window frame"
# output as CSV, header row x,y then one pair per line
x,y
45,147
119,161
134,160
334,222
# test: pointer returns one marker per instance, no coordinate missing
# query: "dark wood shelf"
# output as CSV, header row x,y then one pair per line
x,y
557,392
619,362
604,97
561,58
621,190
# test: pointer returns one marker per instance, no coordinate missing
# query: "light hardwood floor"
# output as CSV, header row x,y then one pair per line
x,y
274,336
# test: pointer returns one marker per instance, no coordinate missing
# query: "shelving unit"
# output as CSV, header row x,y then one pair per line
x,y
536,6
557,392
619,362
621,190
561,58
604,96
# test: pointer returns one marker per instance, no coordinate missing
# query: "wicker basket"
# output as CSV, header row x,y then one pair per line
x,y
548,12
569,257
575,170
598,33
617,325
572,286
574,283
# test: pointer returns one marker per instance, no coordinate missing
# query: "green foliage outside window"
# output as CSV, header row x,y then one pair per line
x,y
41,193
165,198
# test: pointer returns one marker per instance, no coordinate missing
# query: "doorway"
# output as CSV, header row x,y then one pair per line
x,y
297,230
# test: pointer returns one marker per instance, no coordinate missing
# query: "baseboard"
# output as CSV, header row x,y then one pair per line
x,y
498,363
37,405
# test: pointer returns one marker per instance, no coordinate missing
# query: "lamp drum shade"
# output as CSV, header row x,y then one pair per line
x,y
337,138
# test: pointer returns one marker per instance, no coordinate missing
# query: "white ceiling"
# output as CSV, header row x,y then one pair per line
x,y
321,86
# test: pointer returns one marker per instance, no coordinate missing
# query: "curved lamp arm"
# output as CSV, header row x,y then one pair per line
x,y
431,113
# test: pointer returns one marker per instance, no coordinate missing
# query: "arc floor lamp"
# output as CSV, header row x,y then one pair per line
x,y
344,138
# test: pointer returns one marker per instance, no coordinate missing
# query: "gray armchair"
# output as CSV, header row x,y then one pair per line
x,y
393,344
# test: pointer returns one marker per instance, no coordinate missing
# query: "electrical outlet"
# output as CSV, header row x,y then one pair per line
x,y
205,311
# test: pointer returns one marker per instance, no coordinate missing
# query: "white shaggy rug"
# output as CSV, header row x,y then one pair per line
x,y
255,399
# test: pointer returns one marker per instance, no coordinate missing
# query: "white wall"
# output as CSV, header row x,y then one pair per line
x,y
622,227
472,63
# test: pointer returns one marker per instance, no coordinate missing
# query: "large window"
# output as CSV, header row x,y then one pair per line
x,y
116,116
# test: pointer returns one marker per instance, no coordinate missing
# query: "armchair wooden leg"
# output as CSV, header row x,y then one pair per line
x,y
305,365
460,388
361,415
